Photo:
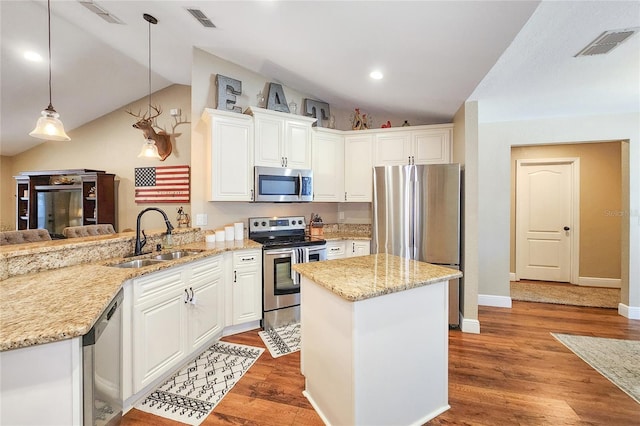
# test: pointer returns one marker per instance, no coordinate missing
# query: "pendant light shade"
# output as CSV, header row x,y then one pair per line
x,y
149,150
49,125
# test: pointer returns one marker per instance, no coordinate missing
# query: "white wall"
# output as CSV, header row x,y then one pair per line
x,y
495,141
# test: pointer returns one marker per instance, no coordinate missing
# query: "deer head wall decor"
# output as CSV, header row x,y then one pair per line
x,y
161,138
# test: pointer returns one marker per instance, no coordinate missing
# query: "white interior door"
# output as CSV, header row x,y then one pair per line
x,y
546,219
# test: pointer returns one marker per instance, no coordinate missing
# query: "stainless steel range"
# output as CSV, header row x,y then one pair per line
x,y
284,243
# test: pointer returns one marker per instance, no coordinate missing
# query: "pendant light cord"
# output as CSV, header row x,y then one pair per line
x,y
49,24
149,101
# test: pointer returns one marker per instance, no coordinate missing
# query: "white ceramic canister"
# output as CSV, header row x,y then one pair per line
x,y
228,233
238,230
219,235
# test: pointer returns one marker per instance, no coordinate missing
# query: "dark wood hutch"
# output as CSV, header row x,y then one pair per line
x,y
92,194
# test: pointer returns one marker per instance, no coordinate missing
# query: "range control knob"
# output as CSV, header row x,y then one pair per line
x,y
264,223
255,223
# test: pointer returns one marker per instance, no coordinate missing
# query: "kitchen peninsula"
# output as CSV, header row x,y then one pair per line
x,y
375,339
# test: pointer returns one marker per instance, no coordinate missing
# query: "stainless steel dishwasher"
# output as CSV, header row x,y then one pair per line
x,y
102,367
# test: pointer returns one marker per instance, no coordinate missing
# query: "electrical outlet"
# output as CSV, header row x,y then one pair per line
x,y
175,112
341,215
201,219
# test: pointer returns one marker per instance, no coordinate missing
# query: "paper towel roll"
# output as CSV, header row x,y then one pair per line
x,y
220,235
228,233
210,238
238,230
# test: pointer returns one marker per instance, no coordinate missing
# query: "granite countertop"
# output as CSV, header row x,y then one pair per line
x,y
63,303
338,236
364,277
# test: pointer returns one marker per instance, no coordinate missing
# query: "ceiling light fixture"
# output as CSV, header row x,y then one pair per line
x,y
49,126
149,148
376,75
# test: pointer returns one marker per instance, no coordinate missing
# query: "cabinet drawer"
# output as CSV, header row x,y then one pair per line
x,y
206,267
247,258
156,283
336,250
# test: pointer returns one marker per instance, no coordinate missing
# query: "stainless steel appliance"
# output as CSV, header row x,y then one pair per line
x,y
284,243
102,367
416,214
277,184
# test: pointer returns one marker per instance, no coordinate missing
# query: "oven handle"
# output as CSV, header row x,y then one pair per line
x,y
295,258
278,252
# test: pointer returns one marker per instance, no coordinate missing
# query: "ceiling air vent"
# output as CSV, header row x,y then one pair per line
x,y
101,12
607,41
201,17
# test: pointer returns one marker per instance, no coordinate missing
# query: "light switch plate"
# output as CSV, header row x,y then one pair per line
x,y
201,219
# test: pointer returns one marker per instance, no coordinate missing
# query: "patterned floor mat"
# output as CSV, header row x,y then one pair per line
x,y
193,392
282,340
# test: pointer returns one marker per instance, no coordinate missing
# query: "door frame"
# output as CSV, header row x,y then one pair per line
x,y
574,239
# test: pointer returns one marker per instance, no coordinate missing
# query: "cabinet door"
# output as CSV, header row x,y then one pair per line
x,y
358,173
359,248
297,144
230,171
159,336
336,250
205,297
269,141
247,286
392,149
328,167
432,146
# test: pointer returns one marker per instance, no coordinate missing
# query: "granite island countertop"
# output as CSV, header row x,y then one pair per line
x,y
63,303
364,277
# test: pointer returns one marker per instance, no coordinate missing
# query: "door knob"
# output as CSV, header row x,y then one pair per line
x,y
566,228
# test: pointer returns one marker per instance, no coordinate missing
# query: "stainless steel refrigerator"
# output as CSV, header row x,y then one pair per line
x,y
416,214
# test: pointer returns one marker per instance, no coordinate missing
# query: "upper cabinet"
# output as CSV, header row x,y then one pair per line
x,y
281,139
358,161
229,156
422,145
328,165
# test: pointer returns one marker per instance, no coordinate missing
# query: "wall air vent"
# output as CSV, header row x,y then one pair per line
x,y
101,12
607,41
201,17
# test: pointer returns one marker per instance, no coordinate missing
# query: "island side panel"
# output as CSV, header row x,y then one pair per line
x,y
326,322
381,360
401,356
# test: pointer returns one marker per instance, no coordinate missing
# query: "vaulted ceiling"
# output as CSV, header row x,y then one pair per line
x,y
515,57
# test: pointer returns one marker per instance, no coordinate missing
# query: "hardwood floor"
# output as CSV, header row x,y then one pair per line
x,y
513,373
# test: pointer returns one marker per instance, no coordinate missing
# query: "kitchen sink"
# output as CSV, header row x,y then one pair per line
x,y
139,263
175,254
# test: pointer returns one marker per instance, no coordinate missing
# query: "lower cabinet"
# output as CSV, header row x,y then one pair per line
x,y
174,312
247,286
347,248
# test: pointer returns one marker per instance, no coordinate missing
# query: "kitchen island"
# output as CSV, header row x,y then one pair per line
x,y
374,333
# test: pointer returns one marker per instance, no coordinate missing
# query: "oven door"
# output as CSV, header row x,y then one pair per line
x,y
281,282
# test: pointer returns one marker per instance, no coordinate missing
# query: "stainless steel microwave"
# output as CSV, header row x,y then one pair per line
x,y
276,184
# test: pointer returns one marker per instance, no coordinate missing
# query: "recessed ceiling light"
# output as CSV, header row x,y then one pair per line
x,y
376,75
32,56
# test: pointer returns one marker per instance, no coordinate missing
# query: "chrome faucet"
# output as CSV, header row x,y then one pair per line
x,y
140,243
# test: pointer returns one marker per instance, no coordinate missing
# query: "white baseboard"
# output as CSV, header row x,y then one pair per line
x,y
469,325
600,282
240,328
496,301
631,312
512,276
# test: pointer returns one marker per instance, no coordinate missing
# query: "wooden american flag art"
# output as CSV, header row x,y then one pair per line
x,y
162,184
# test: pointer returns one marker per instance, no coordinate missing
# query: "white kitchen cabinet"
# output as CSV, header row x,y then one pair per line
x,y
421,145
281,139
247,286
336,249
174,312
340,249
358,163
328,165
230,151
358,248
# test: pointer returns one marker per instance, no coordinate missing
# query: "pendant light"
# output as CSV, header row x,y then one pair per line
x,y
149,148
49,125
